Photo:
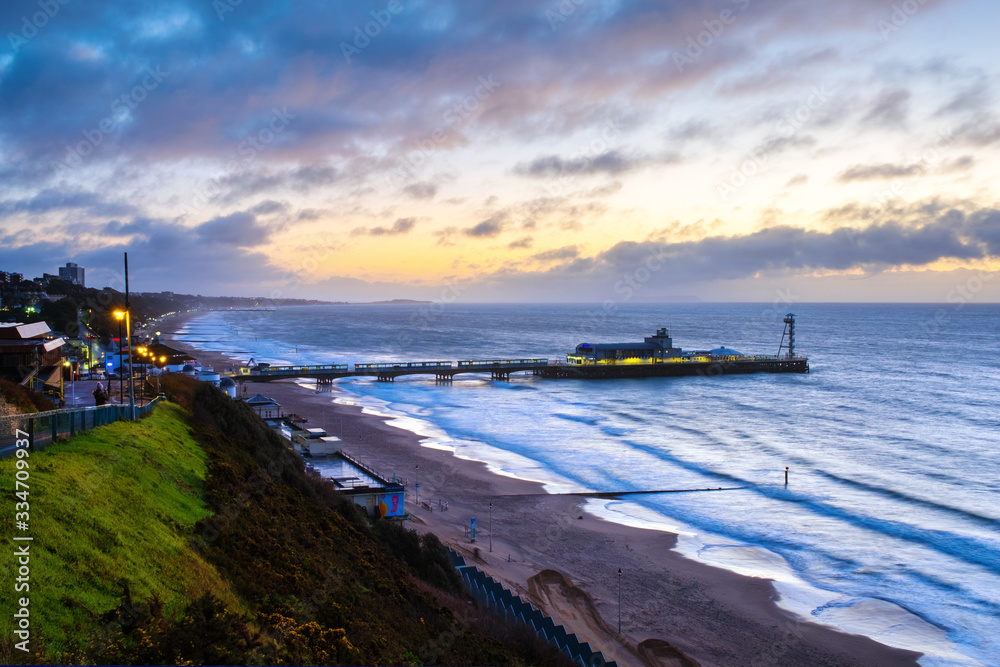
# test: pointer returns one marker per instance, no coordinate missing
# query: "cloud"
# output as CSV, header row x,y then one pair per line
x,y
695,128
401,226
944,233
239,230
421,190
268,207
919,235
607,190
261,111
984,130
975,98
611,162
798,179
962,163
234,187
52,200
889,109
488,228
880,171
558,254
209,259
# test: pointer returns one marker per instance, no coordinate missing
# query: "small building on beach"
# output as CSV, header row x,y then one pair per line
x,y
228,387
315,442
379,495
266,408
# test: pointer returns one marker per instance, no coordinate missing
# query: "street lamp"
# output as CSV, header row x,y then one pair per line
x,y
491,526
131,375
163,365
72,383
144,352
120,315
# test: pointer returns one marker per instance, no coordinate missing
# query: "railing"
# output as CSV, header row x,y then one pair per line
x,y
390,366
45,428
319,368
368,470
488,363
576,359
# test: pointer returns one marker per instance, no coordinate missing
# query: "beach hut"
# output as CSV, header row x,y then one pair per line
x,y
266,408
228,386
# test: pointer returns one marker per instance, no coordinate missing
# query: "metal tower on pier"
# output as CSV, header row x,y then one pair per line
x,y
790,332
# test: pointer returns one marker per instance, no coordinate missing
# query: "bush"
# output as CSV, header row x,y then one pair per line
x,y
206,632
425,555
23,399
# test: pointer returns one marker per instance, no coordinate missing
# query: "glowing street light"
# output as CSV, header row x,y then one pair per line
x,y
128,337
72,382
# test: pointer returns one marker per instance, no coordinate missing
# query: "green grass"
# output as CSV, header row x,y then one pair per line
x,y
111,508
288,571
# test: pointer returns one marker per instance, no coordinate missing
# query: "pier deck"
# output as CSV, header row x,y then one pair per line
x,y
501,369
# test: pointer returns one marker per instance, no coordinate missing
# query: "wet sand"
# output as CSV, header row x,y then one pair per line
x,y
566,562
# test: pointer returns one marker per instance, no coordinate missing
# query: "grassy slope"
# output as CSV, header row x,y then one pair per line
x,y
201,507
112,506
302,556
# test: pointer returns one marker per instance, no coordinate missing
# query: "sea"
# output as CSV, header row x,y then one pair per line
x,y
889,525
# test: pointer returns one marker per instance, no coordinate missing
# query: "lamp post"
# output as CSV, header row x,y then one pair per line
x,y
144,352
417,485
131,376
121,365
163,364
491,526
128,332
72,383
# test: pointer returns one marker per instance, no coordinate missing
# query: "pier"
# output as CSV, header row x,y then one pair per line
x,y
444,371
656,356
502,369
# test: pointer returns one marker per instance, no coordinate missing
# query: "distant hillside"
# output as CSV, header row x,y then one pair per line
x,y
403,302
196,537
96,307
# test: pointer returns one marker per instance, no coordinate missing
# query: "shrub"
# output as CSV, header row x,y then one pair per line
x,y
24,400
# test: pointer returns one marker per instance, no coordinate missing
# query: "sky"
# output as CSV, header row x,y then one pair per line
x,y
548,151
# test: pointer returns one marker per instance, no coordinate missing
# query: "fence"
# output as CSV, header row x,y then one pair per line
x,y
45,428
490,592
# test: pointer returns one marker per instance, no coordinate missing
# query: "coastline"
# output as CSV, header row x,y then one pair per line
x,y
712,615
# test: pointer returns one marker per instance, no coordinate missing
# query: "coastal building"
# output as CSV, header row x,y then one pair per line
x,y
379,495
72,273
31,355
210,375
659,346
315,442
228,387
266,408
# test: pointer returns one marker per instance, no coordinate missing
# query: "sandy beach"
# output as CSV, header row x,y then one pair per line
x,y
566,562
